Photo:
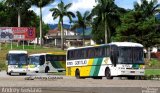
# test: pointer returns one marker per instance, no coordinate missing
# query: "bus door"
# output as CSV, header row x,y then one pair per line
x,y
42,62
114,54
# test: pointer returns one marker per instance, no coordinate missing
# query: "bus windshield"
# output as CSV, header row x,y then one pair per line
x,y
34,60
130,55
17,59
55,58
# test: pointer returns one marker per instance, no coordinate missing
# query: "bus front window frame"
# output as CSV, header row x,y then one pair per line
x,y
127,55
17,59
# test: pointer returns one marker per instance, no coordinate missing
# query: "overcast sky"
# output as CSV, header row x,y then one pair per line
x,y
77,5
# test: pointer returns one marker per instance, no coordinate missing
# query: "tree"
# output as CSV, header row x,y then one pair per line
x,y
82,22
140,25
148,8
60,12
19,5
106,12
40,4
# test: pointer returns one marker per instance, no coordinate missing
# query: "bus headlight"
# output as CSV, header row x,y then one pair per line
x,y
142,66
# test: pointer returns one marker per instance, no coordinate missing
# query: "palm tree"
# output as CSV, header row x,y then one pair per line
x,y
82,22
106,12
41,4
60,12
147,8
19,5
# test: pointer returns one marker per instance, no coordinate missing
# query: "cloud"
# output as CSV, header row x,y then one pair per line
x,y
77,5
82,5
35,9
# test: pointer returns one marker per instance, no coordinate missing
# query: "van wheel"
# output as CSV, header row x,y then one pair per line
x,y
77,74
9,73
108,74
46,69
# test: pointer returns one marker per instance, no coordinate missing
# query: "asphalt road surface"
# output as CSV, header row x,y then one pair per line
x,y
44,83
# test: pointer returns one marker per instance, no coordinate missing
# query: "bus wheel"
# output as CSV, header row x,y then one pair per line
x,y
60,71
46,69
131,77
97,77
36,71
77,74
8,73
108,73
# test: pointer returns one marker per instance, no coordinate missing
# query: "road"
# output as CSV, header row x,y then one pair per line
x,y
63,84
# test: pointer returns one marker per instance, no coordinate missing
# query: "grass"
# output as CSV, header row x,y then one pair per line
x,y
57,73
152,72
31,50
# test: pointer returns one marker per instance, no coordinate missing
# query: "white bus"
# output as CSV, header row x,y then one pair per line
x,y
107,60
47,62
16,61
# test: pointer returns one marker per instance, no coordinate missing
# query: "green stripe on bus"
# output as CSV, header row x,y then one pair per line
x,y
97,68
57,64
54,64
93,67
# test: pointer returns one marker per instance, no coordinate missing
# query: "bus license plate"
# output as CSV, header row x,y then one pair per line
x,y
132,71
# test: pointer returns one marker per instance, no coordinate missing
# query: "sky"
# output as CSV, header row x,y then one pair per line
x,y
77,5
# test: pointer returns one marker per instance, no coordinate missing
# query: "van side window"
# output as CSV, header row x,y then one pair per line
x,y
42,59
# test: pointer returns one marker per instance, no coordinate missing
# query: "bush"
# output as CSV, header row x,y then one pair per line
x,y
152,64
2,66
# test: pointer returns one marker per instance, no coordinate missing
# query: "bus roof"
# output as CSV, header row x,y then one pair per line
x,y
125,44
57,53
17,52
131,44
39,54
54,53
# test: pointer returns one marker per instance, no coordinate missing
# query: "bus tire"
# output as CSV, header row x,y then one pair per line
x,y
36,71
60,71
108,74
131,77
46,69
9,73
77,74
97,77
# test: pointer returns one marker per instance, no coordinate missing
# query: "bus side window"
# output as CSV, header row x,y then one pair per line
x,y
107,51
69,55
96,52
102,51
42,60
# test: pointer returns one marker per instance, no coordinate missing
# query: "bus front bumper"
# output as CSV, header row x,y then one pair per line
x,y
33,69
17,70
131,72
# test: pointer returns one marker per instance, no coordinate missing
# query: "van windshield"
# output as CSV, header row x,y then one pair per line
x,y
17,59
34,60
